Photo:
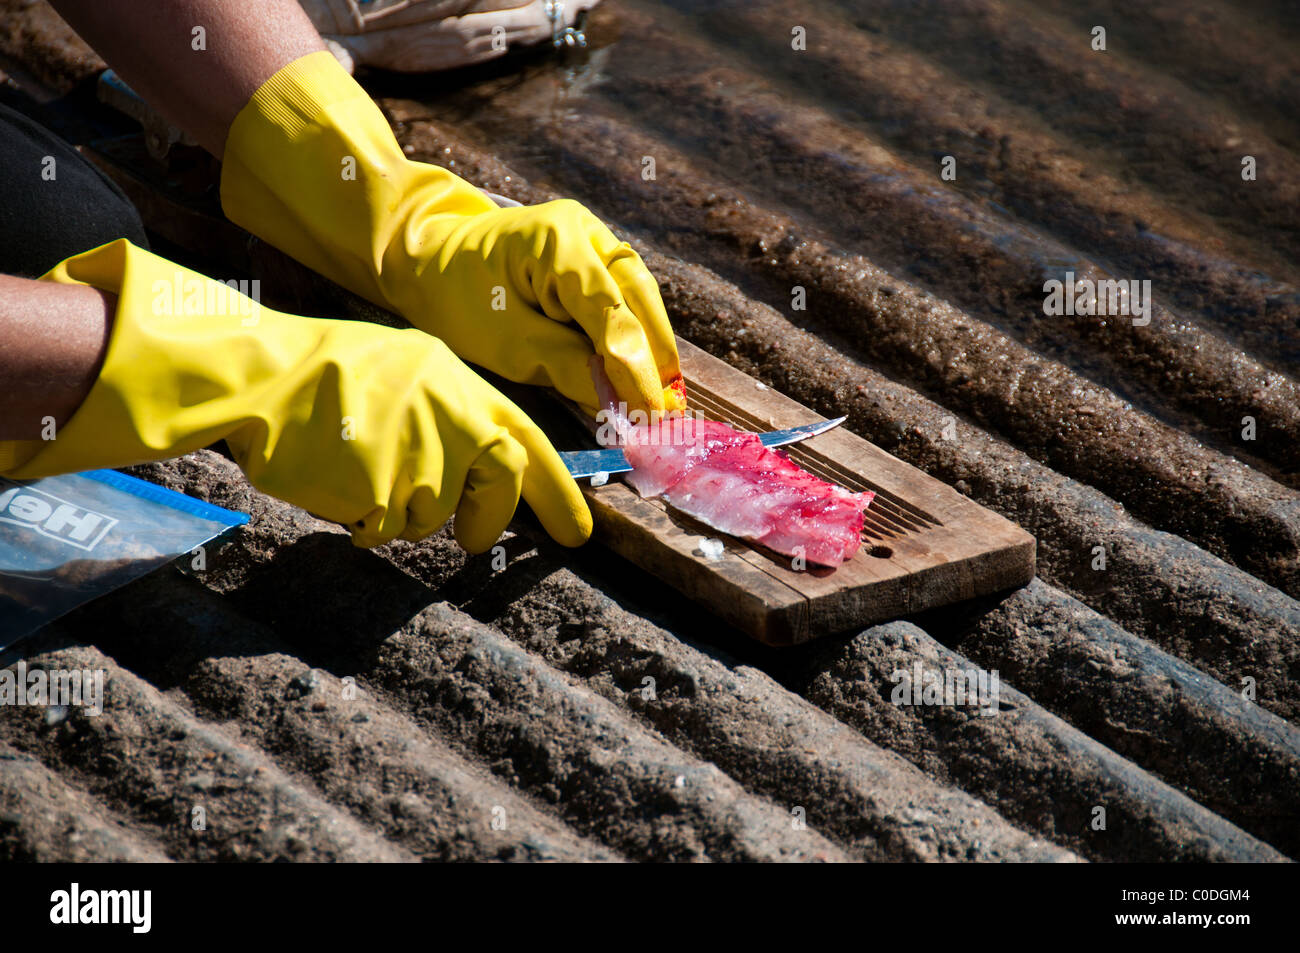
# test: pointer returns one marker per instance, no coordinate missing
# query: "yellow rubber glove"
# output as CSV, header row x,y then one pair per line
x,y
312,167
384,431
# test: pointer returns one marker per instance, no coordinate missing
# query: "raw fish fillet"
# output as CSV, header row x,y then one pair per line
x,y
732,482
729,480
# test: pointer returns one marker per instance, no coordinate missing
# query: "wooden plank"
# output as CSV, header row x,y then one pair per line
x,y
924,544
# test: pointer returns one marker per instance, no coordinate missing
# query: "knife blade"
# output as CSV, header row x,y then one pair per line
x,y
589,463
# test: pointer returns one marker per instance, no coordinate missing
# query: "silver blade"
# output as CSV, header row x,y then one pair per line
x,y
779,438
589,463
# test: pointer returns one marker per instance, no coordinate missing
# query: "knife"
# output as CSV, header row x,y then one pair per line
x,y
589,463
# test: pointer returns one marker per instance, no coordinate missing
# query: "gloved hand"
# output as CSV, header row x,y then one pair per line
x,y
384,431
421,35
312,167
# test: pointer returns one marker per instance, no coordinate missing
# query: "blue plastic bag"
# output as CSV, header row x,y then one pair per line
x,y
65,540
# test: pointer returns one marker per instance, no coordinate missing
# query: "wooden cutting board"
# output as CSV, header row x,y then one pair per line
x,y
923,543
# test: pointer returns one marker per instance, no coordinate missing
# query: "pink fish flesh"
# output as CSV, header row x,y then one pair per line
x,y
732,482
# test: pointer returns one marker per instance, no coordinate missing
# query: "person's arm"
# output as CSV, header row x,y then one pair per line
x,y
152,46
311,165
52,343
383,431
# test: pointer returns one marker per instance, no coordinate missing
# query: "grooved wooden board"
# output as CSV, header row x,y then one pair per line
x,y
924,544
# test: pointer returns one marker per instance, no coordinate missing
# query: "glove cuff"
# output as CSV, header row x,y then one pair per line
x,y
168,384
295,97
312,166
104,267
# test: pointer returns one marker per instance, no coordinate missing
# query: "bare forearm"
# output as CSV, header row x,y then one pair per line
x,y
151,44
52,342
